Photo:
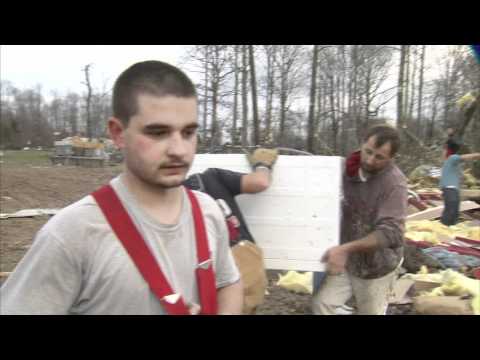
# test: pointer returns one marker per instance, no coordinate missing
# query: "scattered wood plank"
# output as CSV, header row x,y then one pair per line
x,y
436,212
400,290
467,194
30,213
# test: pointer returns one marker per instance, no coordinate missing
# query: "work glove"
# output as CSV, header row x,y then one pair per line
x,y
263,157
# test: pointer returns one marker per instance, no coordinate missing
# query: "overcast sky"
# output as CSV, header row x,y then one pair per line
x,y
59,67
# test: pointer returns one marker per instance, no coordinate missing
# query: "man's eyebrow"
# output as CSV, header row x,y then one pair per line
x,y
166,127
156,127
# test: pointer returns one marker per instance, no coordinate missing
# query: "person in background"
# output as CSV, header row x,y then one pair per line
x,y
450,180
224,185
366,263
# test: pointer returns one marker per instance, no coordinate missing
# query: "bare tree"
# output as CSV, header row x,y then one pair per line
x,y
290,65
206,52
406,83
253,81
71,114
216,65
420,83
401,86
29,118
311,107
233,135
411,102
55,113
244,95
88,100
270,52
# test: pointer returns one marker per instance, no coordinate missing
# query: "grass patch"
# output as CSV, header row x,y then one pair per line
x,y
26,157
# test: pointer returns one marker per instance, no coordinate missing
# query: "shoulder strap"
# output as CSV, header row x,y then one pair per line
x,y
134,244
207,290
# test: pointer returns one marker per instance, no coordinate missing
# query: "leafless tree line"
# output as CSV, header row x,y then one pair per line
x,y
27,119
321,98
318,98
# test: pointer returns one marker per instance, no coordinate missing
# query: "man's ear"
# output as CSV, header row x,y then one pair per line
x,y
116,130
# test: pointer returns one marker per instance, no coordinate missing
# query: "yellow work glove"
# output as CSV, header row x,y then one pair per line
x,y
263,157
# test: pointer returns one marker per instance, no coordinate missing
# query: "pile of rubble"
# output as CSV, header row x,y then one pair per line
x,y
442,263
85,152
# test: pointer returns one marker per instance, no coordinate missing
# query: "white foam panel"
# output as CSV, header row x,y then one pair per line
x,y
298,218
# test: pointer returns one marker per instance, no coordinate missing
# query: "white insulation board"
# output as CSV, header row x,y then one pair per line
x,y
298,218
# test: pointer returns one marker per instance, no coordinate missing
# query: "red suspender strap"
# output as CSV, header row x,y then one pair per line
x,y
205,276
133,242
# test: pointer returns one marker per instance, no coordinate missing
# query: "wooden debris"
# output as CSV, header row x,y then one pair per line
x,y
436,212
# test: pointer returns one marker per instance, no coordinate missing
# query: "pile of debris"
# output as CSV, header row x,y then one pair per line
x,y
442,263
84,152
425,179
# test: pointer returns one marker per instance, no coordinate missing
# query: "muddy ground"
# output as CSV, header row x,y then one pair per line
x,y
27,186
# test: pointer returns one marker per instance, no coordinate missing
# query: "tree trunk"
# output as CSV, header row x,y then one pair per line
x,y
270,89
343,83
368,99
214,83
406,98
206,82
88,101
355,110
431,126
234,139
253,81
311,108
283,102
244,96
320,108
412,87
283,95
420,86
214,126
446,108
333,115
400,90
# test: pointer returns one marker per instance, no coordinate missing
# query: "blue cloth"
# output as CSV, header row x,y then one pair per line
x,y
317,280
476,51
451,259
451,172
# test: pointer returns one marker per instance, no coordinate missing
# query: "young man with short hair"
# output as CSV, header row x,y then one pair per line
x,y
87,261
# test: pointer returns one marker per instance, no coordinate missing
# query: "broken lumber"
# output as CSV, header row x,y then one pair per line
x,y
468,194
436,212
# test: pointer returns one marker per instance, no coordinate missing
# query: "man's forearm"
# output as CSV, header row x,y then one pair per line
x,y
473,156
230,299
365,244
256,181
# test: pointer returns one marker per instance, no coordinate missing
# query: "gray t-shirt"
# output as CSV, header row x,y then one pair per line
x,y
76,264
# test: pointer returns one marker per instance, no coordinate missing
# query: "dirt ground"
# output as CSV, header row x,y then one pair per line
x,y
27,187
